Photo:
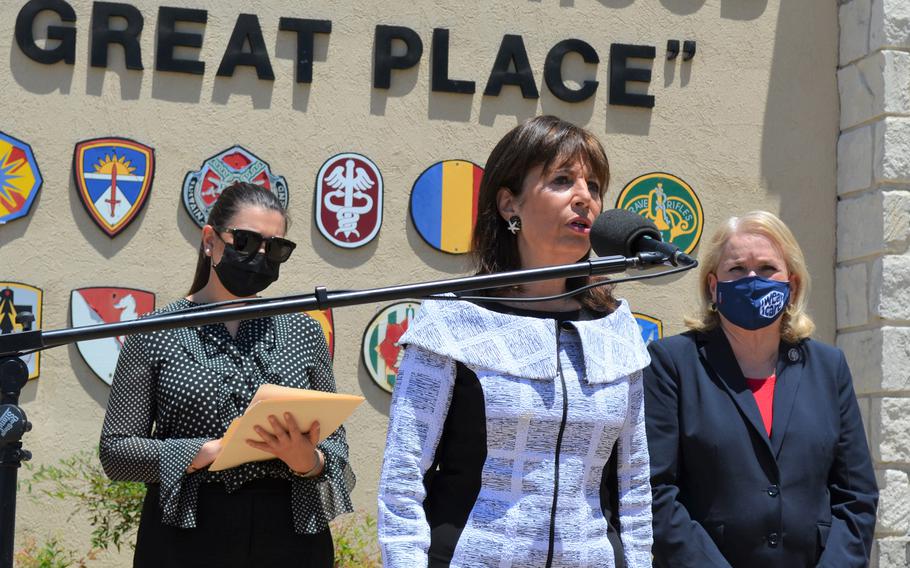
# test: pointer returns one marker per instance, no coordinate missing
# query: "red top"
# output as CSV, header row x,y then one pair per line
x,y
763,391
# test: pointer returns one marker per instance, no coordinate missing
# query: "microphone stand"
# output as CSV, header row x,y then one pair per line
x,y
14,372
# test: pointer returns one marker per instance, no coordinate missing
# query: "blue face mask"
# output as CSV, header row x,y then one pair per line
x,y
752,302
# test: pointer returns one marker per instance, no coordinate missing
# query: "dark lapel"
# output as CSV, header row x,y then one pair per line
x,y
717,353
790,362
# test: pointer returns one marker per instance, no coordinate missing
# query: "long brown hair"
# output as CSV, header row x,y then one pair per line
x,y
549,142
232,200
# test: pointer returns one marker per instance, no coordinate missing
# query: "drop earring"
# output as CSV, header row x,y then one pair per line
x,y
514,224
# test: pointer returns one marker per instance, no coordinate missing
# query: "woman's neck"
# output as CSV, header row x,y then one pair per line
x,y
755,350
212,292
544,288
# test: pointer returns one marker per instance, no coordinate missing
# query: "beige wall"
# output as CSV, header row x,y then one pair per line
x,y
750,123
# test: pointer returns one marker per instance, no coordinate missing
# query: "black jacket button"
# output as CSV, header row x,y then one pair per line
x,y
773,491
773,539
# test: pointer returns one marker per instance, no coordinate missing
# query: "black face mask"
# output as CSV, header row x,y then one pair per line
x,y
243,275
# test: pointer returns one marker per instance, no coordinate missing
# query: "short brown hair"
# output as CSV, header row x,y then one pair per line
x,y
545,141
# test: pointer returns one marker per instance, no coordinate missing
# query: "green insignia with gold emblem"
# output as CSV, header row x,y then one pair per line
x,y
670,203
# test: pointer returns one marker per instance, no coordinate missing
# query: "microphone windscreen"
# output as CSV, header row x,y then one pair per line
x,y
615,232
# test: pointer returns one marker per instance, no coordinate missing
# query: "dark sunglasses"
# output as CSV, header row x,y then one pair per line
x,y
277,249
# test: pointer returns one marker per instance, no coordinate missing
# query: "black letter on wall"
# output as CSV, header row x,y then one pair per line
x,y
246,30
384,61
66,51
620,73
552,70
440,73
103,35
305,30
512,51
169,38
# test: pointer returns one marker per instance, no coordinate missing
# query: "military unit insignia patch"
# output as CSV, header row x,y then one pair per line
x,y
90,306
671,203
327,322
444,205
651,328
20,178
381,350
114,178
201,188
348,206
17,300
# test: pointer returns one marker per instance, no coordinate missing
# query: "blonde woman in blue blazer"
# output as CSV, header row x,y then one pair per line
x,y
758,454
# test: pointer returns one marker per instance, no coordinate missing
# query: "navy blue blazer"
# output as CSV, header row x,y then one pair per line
x,y
727,494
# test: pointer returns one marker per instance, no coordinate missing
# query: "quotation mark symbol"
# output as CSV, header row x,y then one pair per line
x,y
688,49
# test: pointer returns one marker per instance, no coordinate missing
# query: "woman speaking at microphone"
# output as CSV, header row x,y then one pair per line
x,y
758,455
175,392
505,415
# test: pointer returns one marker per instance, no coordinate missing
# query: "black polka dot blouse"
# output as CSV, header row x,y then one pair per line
x,y
176,389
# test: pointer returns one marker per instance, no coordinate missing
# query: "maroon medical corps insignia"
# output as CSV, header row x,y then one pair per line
x,y
202,188
90,306
349,200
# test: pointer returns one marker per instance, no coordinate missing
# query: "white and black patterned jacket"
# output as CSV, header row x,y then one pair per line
x,y
555,399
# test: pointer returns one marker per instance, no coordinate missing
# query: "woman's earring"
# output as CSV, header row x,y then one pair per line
x,y
514,224
713,306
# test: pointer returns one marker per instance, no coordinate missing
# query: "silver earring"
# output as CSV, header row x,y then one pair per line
x,y
514,224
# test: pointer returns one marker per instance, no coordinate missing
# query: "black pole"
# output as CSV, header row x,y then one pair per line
x,y
14,373
13,423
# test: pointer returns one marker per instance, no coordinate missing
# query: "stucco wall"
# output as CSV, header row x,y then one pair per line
x,y
751,122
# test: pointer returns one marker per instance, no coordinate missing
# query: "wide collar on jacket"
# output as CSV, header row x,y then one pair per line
x,y
525,347
715,350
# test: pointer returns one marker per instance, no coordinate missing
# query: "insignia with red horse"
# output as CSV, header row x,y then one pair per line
x,y
90,306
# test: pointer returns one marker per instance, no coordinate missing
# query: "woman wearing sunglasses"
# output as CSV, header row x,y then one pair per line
x,y
175,392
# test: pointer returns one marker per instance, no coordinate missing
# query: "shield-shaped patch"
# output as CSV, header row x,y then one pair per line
x,y
327,321
17,300
90,306
114,178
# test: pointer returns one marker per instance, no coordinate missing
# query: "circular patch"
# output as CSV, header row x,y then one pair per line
x,y
348,200
381,351
444,205
670,203
793,354
651,328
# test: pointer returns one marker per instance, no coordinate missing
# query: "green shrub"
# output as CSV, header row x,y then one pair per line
x,y
113,507
51,554
356,543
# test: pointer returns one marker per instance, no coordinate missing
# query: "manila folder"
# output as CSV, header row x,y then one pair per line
x,y
328,408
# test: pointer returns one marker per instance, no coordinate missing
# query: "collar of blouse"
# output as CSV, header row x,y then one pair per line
x,y
524,347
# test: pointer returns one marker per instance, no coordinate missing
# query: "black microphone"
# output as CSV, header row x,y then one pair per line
x,y
622,232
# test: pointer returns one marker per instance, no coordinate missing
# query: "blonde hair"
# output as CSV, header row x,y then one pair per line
x,y
795,322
